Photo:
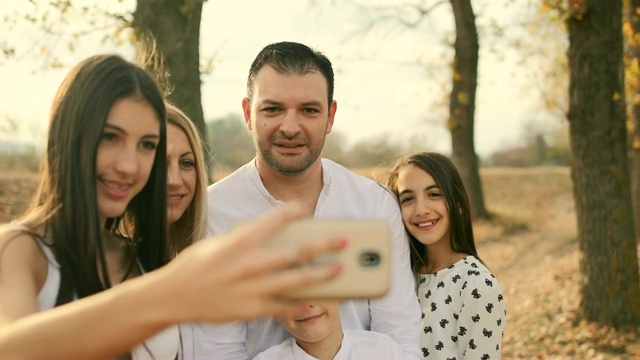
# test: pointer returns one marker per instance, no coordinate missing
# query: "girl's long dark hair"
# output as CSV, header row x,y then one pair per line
x,y
65,205
448,179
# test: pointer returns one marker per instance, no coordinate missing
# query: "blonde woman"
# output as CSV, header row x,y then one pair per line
x,y
186,181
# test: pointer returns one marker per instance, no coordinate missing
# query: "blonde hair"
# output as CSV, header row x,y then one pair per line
x,y
192,224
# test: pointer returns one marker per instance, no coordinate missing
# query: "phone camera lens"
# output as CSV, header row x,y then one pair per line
x,y
369,259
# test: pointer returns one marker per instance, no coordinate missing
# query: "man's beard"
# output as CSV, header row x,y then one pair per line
x,y
285,167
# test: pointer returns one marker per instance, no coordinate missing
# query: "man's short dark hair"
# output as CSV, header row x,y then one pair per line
x,y
291,58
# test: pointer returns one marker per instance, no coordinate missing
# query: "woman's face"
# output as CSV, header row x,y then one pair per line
x,y
181,173
125,156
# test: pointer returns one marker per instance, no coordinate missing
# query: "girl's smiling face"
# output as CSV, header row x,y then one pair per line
x,y
423,206
125,155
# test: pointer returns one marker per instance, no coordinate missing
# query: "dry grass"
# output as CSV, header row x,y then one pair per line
x,y
530,246
16,190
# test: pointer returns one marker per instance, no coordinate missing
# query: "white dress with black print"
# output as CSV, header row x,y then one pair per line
x,y
463,312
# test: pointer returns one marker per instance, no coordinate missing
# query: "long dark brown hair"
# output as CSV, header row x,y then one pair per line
x,y
64,211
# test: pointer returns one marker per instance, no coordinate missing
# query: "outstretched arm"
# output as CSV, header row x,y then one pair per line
x,y
232,278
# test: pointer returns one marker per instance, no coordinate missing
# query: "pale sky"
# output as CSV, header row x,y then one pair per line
x,y
380,89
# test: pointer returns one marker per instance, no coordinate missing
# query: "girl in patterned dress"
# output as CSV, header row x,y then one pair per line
x,y
463,310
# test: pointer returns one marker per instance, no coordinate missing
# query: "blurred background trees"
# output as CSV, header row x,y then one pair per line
x,y
588,118
540,145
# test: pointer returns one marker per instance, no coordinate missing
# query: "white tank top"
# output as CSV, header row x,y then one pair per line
x,y
163,346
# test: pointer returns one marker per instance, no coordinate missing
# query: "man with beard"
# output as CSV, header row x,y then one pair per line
x,y
289,110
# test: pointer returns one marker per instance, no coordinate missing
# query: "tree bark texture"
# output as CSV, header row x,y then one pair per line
x,y
175,28
599,170
462,104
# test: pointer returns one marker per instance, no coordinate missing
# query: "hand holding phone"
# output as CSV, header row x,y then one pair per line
x,y
366,260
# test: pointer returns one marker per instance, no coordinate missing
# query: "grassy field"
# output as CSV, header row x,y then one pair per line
x,y
531,246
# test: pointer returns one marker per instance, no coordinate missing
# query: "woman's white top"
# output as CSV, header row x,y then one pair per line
x,y
163,346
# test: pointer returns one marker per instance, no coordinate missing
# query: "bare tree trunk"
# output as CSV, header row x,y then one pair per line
x,y
600,172
462,106
175,28
633,55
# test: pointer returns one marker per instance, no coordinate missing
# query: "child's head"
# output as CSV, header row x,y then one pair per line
x,y
314,322
80,111
430,191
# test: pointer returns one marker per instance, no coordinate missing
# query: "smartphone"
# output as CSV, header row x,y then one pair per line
x,y
366,260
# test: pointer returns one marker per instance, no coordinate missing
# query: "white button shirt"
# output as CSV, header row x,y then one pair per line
x,y
242,196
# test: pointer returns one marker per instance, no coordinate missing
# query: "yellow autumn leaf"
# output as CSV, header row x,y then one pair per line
x,y
616,96
451,124
627,30
463,98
